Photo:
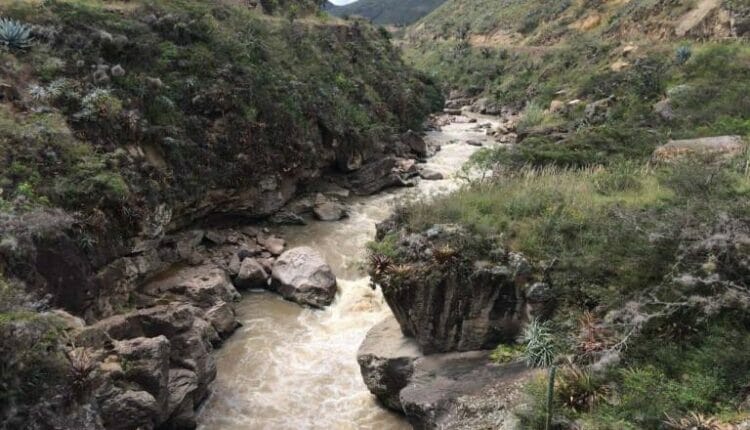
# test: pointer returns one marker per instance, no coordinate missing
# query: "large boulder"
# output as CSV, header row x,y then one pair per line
x,y
203,285
725,146
302,275
274,245
127,410
183,385
375,176
166,352
464,390
147,366
459,390
445,295
386,359
251,274
487,106
415,143
223,319
327,209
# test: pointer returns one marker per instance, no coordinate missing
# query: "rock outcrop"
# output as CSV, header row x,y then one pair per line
x,y
386,359
724,146
378,175
452,292
154,366
327,209
251,274
459,390
302,275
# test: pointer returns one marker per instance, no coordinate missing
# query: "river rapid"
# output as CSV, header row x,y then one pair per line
x,y
290,367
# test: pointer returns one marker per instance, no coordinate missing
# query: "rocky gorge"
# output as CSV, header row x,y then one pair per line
x,y
189,193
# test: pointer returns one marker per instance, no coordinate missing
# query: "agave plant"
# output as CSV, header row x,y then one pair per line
x,y
14,34
380,264
694,421
683,54
540,352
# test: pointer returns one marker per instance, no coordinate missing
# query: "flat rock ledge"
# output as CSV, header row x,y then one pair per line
x,y
451,391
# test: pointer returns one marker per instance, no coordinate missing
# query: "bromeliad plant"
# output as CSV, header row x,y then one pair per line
x,y
540,353
14,34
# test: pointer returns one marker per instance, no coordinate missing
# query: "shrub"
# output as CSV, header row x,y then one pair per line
x,y
534,115
580,390
507,353
100,103
14,34
619,177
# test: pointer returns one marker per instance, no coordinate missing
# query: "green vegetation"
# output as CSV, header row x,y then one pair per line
x,y
129,105
615,234
598,223
32,363
504,353
604,77
540,352
14,34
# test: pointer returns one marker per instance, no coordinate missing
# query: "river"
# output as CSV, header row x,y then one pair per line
x,y
290,367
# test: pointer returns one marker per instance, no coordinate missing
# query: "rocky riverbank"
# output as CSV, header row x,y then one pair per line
x,y
130,130
454,296
458,390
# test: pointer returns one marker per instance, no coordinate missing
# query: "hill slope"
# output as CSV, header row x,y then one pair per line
x,y
631,247
386,12
125,121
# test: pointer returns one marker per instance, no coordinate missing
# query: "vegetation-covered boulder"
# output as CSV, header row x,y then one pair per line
x,y
451,290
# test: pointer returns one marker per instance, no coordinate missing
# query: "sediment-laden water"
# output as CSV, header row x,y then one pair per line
x,y
289,367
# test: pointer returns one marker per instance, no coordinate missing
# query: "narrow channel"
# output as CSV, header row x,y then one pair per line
x,y
290,367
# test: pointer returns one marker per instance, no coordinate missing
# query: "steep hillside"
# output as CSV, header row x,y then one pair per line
x,y
615,212
628,56
125,121
386,12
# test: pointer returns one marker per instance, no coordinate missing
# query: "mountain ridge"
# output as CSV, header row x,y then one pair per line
x,y
386,12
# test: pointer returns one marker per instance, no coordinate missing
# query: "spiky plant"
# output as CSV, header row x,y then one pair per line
x,y
593,336
693,421
683,54
380,264
82,365
540,352
445,255
580,389
399,270
14,34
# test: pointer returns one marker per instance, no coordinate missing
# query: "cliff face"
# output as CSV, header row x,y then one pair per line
x,y
454,291
125,121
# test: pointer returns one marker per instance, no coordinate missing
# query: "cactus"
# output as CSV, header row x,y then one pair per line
x,y
14,34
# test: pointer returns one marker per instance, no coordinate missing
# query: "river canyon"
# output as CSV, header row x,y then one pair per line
x,y
290,367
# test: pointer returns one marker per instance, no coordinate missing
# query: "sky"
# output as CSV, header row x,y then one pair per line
x,y
340,2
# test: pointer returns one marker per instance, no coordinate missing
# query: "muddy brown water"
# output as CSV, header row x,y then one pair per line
x,y
290,367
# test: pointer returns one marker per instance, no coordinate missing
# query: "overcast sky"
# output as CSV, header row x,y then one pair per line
x,y
340,2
